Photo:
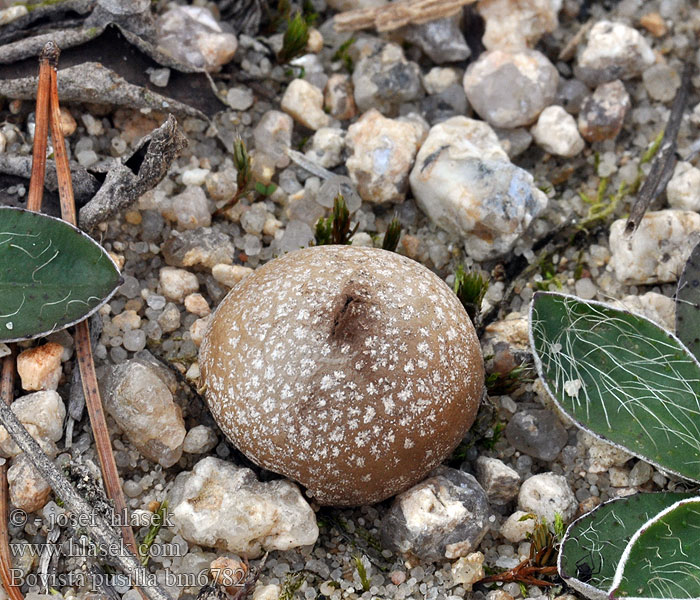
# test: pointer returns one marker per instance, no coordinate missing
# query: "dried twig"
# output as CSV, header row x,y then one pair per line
x,y
662,167
82,331
397,14
6,388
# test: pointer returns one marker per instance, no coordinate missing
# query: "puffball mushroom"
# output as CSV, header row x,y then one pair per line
x,y
351,370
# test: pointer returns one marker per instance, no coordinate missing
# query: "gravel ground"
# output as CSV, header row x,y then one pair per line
x,y
143,315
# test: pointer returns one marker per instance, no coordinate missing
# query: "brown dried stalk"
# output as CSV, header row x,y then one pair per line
x,y
6,388
82,331
525,572
665,161
397,14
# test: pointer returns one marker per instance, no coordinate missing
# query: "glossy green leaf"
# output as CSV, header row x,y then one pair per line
x,y
662,560
52,275
621,377
593,544
688,303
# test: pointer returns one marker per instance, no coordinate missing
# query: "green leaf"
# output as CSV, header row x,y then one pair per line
x,y
593,544
621,377
662,560
688,303
52,275
265,190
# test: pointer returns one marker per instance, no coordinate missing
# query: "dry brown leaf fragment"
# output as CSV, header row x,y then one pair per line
x,y
397,14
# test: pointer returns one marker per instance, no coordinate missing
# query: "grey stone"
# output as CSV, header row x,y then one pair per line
x,y
537,433
547,494
514,141
603,113
200,439
444,516
297,235
510,88
462,179
571,94
640,473
169,319
385,79
204,246
191,35
450,102
613,51
28,490
500,482
661,82
440,40
273,136
190,209
139,397
42,414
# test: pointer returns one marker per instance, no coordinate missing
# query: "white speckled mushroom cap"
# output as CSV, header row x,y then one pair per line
x,y
351,370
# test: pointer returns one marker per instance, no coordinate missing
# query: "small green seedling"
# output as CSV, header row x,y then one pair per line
x,y
361,571
392,235
343,54
470,288
336,228
295,38
158,520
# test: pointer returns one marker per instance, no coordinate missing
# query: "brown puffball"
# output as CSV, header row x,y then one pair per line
x,y
351,370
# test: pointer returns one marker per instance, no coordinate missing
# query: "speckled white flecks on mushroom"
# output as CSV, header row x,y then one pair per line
x,y
658,249
221,505
356,373
462,179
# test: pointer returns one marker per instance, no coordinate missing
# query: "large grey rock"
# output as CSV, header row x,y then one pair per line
x,y
462,179
444,516
510,88
139,397
223,506
537,433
